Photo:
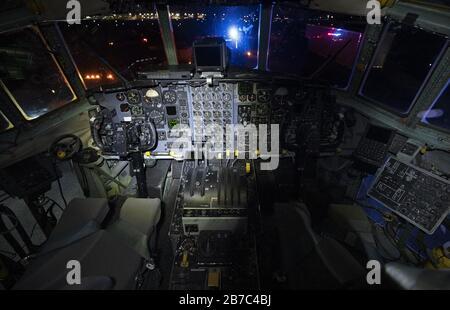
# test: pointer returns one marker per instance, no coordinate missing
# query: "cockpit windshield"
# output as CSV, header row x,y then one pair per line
x,y
123,42
302,42
30,74
238,25
314,44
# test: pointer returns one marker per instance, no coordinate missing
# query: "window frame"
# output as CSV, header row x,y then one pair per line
x,y
430,106
419,92
10,124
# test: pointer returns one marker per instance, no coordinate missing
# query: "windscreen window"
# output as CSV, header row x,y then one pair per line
x,y
238,25
439,113
128,44
314,44
30,74
404,58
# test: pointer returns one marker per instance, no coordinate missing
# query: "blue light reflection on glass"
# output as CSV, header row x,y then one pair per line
x,y
439,112
238,25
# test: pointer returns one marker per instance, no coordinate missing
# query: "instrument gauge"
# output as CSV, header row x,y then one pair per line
x,y
207,97
120,96
151,93
133,96
206,105
226,97
197,106
263,96
252,98
136,110
156,116
170,97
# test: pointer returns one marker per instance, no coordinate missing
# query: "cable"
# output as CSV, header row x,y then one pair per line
x,y
59,184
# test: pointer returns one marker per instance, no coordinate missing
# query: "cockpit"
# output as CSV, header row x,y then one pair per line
x,y
224,145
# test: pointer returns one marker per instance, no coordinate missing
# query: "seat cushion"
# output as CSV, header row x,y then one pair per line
x,y
137,222
81,214
100,255
142,213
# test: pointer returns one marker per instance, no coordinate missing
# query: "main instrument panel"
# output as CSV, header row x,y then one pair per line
x,y
154,119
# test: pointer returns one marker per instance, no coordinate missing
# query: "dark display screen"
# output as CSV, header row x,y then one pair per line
x,y
208,56
379,134
171,111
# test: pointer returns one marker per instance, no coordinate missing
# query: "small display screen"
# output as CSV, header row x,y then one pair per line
x,y
171,111
208,56
379,134
172,123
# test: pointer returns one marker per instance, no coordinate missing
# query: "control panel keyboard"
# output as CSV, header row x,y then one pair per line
x,y
416,195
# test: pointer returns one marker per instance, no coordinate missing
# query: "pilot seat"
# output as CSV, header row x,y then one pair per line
x,y
114,244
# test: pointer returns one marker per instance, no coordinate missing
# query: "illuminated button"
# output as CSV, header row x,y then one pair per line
x,y
61,154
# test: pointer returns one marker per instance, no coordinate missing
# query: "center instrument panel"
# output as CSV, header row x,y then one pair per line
x,y
153,119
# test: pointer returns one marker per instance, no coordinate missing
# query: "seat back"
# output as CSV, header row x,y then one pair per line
x,y
115,252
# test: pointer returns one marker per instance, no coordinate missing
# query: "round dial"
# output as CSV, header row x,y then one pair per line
x,y
136,110
263,96
198,97
152,97
157,116
207,97
226,97
120,96
151,93
197,106
170,97
133,96
206,105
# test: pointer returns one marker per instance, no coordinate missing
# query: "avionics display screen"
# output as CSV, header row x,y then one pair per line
x,y
379,134
171,111
208,56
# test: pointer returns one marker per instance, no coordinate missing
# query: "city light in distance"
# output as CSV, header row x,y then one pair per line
x,y
96,76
